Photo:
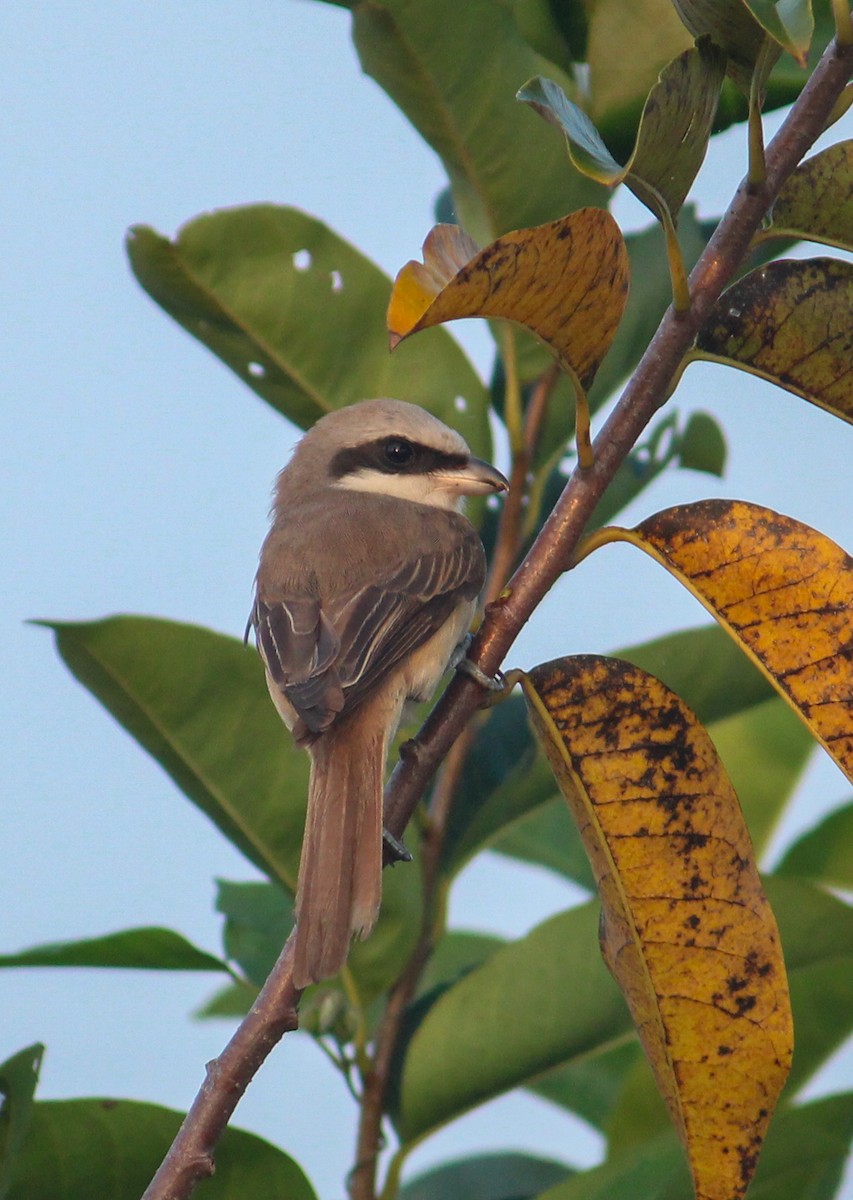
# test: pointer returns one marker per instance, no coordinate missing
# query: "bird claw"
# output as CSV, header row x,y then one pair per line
x,y
395,851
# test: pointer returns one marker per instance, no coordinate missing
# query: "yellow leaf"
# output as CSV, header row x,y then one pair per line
x,y
567,282
686,929
781,589
791,322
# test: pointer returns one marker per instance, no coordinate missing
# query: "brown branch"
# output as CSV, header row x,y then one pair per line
x,y
190,1158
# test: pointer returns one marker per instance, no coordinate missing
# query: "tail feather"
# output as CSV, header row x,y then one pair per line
x,y
340,873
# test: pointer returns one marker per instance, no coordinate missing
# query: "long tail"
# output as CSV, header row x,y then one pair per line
x,y
340,872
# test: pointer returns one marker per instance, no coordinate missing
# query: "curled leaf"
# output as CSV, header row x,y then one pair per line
x,y
566,281
782,590
743,27
686,929
789,322
817,201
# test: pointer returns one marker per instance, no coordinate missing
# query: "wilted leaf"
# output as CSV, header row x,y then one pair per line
x,y
459,1054
109,1149
297,313
824,853
789,322
487,1177
816,202
672,138
453,70
686,928
18,1078
567,282
783,590
197,702
145,949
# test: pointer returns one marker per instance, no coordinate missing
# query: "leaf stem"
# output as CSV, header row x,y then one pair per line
x,y
843,22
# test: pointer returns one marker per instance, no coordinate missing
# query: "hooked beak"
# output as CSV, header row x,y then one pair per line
x,y
476,478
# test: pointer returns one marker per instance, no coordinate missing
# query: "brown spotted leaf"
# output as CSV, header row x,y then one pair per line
x,y
790,322
817,201
686,929
781,589
566,281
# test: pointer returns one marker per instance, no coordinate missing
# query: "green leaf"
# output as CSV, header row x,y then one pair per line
x,y
816,202
146,949
817,939
299,315
457,953
459,1054
789,22
591,1087
732,27
672,138
825,852
376,962
789,322
258,919
487,1177
548,837
703,445
765,750
453,70
197,702
18,1078
109,1149
233,1000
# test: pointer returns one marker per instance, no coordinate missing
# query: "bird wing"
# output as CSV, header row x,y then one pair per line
x,y
326,654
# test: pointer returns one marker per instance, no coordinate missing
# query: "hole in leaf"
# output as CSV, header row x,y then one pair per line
x,y
460,404
302,260
337,281
257,370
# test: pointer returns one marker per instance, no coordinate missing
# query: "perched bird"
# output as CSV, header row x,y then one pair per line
x,y
368,581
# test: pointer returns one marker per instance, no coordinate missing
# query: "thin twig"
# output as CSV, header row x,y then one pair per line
x,y
274,1013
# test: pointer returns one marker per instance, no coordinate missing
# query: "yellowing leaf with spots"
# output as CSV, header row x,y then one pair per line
x,y
781,589
686,929
567,282
790,322
817,201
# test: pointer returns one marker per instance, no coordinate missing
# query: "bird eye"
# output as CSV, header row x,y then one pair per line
x,y
398,452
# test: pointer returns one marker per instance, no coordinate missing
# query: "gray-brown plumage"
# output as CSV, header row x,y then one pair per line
x,y
367,583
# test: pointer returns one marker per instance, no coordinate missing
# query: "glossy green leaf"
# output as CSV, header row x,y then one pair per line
x,y
197,702
590,1087
18,1078
376,962
453,70
258,919
145,949
487,1177
299,315
459,1054
788,22
825,852
803,1157
457,953
672,138
789,322
548,837
816,202
109,1149
703,445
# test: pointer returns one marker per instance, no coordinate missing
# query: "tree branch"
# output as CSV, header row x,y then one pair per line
x,y
190,1158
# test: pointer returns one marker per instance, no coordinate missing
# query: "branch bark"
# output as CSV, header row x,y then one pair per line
x,y
190,1158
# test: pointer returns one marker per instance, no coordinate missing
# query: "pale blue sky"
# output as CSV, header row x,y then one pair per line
x,y
136,474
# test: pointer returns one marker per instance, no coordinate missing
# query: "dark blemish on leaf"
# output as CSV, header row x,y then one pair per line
x,y
745,1004
735,983
696,881
693,922
695,841
724,1050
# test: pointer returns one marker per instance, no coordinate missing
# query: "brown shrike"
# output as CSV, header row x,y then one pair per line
x,y
367,584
